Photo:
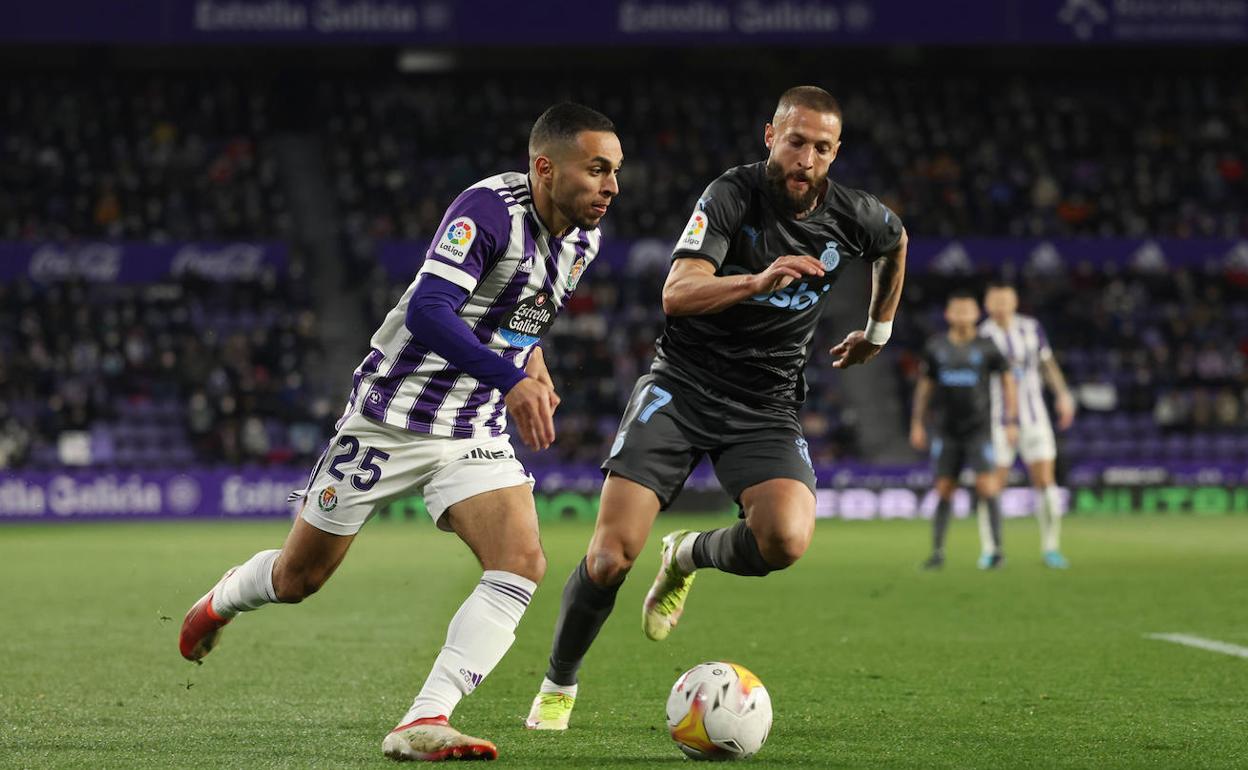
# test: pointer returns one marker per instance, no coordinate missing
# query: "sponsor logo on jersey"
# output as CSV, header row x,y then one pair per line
x,y
798,297
528,321
526,265
457,239
695,231
574,275
959,378
328,499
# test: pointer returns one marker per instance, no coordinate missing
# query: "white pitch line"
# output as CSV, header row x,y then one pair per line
x,y
1213,645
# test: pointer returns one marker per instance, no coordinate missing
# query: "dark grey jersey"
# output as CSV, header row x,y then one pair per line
x,y
961,373
757,349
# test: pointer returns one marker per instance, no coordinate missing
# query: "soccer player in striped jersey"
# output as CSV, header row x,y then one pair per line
x,y
1022,340
454,359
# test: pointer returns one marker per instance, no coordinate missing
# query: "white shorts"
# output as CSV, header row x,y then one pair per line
x,y
1035,444
370,463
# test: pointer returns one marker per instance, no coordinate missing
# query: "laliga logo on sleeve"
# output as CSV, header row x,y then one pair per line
x,y
457,239
695,231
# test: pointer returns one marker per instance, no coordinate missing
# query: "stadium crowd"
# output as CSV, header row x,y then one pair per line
x,y
194,372
171,374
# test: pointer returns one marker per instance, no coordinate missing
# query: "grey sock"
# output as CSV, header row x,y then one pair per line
x,y
585,607
940,525
731,549
994,519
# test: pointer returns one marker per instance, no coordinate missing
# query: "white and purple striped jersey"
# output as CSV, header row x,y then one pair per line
x,y
1025,346
518,276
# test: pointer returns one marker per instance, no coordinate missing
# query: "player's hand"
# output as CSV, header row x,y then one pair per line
x,y
918,438
529,404
536,368
784,271
1065,411
854,349
1011,434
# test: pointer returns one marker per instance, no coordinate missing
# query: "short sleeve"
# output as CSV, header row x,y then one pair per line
x,y
715,221
881,227
474,231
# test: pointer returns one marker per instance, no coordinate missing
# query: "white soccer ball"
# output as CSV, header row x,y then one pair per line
x,y
719,711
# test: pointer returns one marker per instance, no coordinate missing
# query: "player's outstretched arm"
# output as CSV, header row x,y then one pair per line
x,y
1062,399
888,273
692,288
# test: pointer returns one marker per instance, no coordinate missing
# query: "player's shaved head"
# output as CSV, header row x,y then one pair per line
x,y
809,97
559,126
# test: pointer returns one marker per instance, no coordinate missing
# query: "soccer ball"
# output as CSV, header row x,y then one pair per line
x,y
719,711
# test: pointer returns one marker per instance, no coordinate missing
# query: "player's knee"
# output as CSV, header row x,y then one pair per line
x,y
293,586
783,549
528,561
608,566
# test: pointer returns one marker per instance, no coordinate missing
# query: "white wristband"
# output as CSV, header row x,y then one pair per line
x,y
878,332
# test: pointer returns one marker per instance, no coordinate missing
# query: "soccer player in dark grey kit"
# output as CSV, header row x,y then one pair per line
x,y
764,245
957,369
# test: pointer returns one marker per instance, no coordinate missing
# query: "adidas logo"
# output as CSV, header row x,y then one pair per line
x,y
526,266
472,678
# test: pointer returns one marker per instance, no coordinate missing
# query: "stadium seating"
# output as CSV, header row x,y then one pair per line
x,y
137,157
194,373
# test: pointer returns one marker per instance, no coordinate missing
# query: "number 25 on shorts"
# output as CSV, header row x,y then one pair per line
x,y
367,463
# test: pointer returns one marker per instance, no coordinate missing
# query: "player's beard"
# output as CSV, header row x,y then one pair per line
x,y
577,217
777,180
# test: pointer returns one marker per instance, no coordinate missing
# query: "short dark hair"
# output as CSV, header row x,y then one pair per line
x,y
961,294
810,97
562,122
999,283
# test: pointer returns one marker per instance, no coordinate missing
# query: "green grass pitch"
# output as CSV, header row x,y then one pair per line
x,y
870,662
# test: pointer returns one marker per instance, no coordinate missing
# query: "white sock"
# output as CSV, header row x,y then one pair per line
x,y
476,640
987,544
1053,501
1044,515
549,686
248,587
684,554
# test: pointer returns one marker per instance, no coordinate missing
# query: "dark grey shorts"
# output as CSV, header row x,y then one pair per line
x,y
668,426
950,454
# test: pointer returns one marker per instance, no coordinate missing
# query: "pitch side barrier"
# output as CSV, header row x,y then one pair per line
x,y
861,494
